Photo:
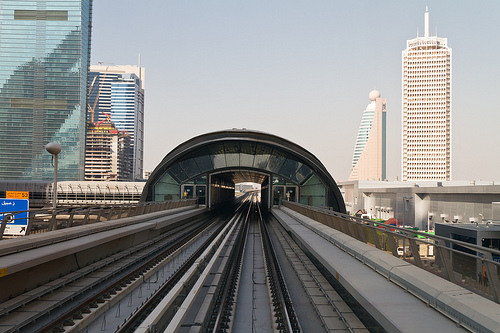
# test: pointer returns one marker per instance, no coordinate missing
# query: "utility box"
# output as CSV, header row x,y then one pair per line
x,y
426,250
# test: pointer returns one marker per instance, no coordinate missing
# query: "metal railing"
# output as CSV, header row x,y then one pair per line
x,y
471,266
47,219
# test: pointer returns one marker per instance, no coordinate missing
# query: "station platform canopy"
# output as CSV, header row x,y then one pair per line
x,y
208,166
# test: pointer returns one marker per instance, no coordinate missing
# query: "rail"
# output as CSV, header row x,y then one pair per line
x,y
47,219
284,312
474,268
225,301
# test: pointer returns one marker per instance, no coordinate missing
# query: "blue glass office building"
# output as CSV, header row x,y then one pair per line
x,y
44,60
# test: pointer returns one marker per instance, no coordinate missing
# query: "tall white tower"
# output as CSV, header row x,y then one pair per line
x,y
368,161
426,108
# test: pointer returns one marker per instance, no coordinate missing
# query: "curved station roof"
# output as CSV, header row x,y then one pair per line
x,y
241,155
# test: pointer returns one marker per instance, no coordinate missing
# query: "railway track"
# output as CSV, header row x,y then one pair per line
x,y
223,274
333,312
249,292
66,303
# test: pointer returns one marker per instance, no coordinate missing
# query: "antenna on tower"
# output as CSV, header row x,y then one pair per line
x,y
140,70
426,21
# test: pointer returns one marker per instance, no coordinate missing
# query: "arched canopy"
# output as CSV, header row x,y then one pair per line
x,y
235,156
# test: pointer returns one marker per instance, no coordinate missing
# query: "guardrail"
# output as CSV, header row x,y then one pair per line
x,y
474,268
43,220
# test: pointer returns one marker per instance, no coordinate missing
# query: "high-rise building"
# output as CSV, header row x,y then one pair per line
x,y
108,153
44,59
118,92
426,108
368,161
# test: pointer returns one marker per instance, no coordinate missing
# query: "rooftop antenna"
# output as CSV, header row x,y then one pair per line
x,y
140,70
426,21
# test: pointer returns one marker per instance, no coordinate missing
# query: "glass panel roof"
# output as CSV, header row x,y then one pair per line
x,y
262,156
232,151
204,163
240,154
302,174
289,168
177,173
276,160
216,150
247,154
190,167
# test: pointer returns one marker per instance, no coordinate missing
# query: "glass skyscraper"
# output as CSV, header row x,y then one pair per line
x,y
44,60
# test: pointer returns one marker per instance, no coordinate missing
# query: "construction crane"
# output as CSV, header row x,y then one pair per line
x,y
108,117
92,108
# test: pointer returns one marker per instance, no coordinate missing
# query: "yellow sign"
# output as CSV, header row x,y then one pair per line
x,y
17,195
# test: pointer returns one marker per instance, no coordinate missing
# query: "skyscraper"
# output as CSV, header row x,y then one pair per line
x,y
118,92
108,153
44,59
427,108
368,161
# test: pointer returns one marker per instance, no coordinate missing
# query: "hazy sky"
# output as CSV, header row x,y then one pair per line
x,y
302,70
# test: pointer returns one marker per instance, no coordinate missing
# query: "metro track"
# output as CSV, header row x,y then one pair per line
x,y
235,273
249,292
89,287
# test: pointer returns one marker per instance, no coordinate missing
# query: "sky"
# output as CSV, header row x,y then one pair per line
x,y
302,70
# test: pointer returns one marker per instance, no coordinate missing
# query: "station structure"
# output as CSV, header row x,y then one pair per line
x,y
208,166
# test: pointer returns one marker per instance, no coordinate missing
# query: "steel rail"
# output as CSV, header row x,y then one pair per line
x,y
84,307
225,298
205,267
168,237
286,240
284,311
148,306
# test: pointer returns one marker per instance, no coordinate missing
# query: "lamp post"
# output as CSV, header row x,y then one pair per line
x,y
54,148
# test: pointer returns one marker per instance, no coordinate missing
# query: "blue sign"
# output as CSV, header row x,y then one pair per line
x,y
16,223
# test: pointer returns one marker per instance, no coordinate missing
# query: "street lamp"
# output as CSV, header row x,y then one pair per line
x,y
54,148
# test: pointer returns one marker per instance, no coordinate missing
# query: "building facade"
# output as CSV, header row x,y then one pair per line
x,y
44,59
426,147
108,153
368,161
423,203
118,92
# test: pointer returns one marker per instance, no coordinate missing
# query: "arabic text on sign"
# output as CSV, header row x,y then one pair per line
x,y
17,195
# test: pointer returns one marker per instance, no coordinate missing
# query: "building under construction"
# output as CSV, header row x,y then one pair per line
x,y
117,93
108,155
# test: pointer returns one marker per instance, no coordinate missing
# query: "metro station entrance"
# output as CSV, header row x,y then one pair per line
x,y
207,167
195,189
284,190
